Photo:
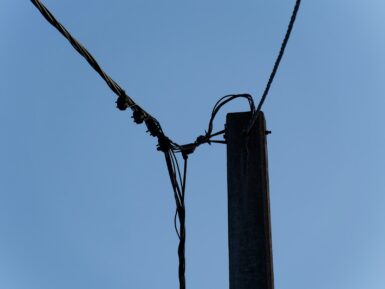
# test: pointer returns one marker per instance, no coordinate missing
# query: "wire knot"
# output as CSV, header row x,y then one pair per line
x,y
202,139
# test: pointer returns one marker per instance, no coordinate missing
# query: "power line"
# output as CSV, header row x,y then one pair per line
x,y
124,101
277,63
165,144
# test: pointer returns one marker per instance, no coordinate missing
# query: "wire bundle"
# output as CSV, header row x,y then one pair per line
x,y
165,144
124,101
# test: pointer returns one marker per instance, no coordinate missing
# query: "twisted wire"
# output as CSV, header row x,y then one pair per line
x,y
124,99
276,64
178,183
167,146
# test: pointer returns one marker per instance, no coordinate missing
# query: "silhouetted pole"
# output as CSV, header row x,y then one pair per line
x,y
250,253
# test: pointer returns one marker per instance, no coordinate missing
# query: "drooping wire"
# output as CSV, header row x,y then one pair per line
x,y
124,101
166,145
224,100
178,180
207,137
276,64
179,185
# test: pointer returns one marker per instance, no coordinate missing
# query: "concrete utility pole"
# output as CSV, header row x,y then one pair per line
x,y
250,253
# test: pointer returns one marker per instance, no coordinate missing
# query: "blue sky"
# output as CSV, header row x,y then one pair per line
x,y
85,201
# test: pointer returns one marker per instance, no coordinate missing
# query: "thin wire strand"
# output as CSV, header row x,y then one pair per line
x,y
176,165
224,100
176,223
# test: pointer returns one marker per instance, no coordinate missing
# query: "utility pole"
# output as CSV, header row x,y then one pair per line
x,y
250,248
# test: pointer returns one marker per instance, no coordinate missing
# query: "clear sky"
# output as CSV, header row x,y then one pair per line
x,y
85,200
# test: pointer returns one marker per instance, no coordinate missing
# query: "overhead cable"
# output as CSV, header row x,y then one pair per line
x,y
124,101
276,64
165,144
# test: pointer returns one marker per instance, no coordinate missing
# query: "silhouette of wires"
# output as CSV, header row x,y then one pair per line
x,y
226,99
165,144
124,101
276,64
207,137
178,182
